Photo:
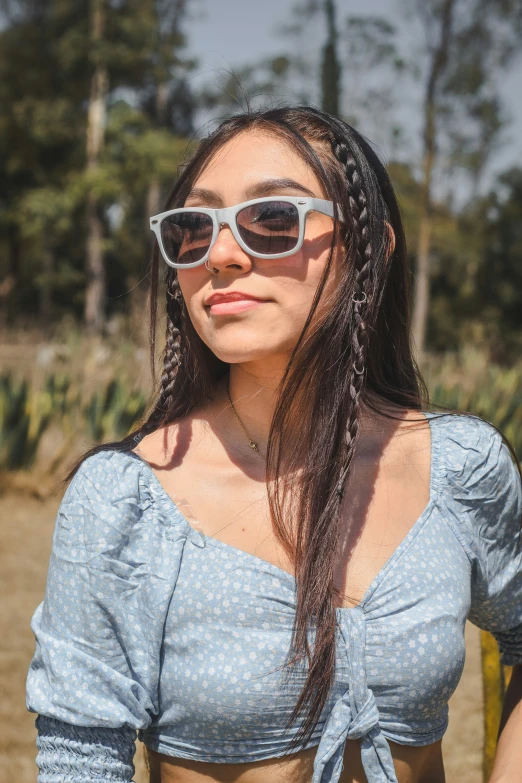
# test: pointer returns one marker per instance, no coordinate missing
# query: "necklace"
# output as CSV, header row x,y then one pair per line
x,y
253,444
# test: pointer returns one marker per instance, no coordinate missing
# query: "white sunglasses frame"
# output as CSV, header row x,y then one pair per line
x,y
227,216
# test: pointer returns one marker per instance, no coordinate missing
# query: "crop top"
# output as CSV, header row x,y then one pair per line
x,y
148,625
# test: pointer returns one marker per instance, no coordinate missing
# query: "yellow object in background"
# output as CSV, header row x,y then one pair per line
x,y
495,679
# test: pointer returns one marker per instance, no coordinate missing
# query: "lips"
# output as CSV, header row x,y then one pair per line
x,y
231,296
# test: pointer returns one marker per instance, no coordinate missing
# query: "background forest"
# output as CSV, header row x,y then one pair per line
x,y
99,108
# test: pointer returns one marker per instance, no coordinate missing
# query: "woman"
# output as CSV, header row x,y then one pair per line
x,y
269,579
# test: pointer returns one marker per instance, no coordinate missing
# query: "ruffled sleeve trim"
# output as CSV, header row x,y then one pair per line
x,y
82,754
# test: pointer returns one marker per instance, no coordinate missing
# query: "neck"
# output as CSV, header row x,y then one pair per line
x,y
253,393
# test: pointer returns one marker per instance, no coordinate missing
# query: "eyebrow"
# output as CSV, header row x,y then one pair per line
x,y
268,187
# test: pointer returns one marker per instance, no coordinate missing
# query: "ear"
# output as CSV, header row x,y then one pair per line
x,y
391,240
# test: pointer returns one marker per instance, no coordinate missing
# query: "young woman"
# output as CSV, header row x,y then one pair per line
x,y
269,579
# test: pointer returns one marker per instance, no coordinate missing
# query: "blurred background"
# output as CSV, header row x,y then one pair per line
x,y
102,100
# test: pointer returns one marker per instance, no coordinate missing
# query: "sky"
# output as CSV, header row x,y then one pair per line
x,y
227,33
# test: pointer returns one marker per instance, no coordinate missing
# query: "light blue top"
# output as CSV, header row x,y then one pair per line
x,y
149,625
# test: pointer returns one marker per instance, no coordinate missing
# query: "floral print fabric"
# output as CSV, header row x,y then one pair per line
x,y
149,626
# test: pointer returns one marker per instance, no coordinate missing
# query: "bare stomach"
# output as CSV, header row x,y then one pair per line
x,y
412,765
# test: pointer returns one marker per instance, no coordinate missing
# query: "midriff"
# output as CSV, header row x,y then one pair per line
x,y
412,765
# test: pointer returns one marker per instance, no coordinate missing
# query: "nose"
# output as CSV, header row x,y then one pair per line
x,y
225,252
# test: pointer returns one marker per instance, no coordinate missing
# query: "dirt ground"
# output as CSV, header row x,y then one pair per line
x,y
26,528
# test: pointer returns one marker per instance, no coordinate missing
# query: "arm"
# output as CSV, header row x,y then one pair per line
x,y
492,502
508,760
93,680
81,753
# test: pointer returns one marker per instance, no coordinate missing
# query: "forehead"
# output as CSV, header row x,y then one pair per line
x,y
252,157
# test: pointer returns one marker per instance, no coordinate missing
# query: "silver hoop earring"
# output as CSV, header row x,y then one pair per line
x,y
362,300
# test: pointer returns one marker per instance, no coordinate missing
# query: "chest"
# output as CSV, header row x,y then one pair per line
x,y
383,500
229,627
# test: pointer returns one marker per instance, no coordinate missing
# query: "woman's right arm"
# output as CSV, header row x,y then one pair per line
x,y
94,676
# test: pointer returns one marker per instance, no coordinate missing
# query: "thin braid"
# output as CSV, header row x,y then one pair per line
x,y
172,353
363,266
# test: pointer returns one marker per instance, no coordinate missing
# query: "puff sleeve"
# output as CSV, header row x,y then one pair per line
x,y
93,679
490,493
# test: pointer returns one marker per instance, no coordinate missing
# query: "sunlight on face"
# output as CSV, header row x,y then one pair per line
x,y
269,329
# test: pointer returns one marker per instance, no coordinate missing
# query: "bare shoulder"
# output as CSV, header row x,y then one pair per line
x,y
396,432
412,439
168,445
395,458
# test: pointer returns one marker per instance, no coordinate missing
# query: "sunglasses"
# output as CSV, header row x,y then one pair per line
x,y
264,228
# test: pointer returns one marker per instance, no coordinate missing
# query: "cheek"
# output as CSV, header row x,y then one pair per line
x,y
194,287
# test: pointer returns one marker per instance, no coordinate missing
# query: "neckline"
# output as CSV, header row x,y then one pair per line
x,y
171,506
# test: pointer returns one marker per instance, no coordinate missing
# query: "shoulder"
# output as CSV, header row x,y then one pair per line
x,y
107,500
169,445
107,475
477,467
468,446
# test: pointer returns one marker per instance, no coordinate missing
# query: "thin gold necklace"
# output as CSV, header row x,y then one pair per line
x,y
253,444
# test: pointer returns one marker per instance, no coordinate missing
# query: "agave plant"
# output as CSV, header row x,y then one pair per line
x,y
26,412
466,382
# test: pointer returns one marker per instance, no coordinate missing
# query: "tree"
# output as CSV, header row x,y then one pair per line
x,y
95,291
439,51
376,81
167,100
330,67
499,274
77,140
38,143
468,45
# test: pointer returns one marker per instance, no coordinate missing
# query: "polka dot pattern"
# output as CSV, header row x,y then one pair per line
x,y
149,626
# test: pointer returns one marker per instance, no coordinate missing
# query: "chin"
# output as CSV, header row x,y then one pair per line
x,y
241,355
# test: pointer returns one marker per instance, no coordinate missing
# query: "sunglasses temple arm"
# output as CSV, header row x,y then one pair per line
x,y
327,208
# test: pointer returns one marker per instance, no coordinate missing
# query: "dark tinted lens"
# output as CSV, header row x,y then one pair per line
x,y
186,236
269,227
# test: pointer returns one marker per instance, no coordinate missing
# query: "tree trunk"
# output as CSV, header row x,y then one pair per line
x,y
330,68
95,293
177,10
10,285
439,60
154,192
46,288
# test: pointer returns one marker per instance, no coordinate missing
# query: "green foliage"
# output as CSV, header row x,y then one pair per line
x,y
498,399
476,266
27,411
47,59
46,65
24,416
465,381
468,381
112,411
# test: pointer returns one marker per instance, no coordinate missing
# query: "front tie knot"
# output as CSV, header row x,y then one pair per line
x,y
354,715
366,718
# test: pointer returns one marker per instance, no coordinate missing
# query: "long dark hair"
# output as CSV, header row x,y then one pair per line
x,y
357,353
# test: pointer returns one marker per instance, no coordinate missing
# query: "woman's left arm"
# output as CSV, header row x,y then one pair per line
x,y
508,760
489,495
